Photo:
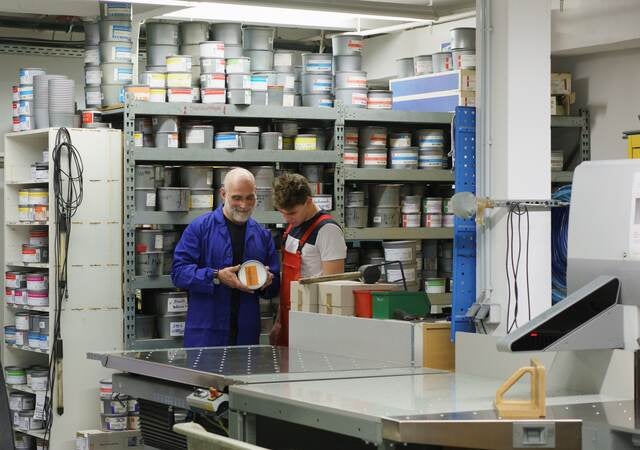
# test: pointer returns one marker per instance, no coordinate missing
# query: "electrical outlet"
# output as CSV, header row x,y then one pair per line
x,y
495,314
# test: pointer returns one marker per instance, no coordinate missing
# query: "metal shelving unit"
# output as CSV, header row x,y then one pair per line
x,y
143,154
381,234
399,175
582,151
259,114
216,113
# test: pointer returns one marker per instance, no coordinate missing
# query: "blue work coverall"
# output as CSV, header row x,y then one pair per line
x,y
204,246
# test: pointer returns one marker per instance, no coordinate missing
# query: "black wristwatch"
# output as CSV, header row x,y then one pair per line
x,y
216,280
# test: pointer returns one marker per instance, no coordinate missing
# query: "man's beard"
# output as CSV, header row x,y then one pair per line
x,y
238,215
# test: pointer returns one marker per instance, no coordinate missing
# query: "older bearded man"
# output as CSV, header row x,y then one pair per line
x,y
222,311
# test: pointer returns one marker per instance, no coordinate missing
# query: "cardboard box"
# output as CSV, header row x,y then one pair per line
x,y
108,440
304,297
438,92
339,294
335,311
561,104
560,84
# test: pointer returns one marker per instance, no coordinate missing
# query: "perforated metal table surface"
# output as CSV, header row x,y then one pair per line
x,y
223,366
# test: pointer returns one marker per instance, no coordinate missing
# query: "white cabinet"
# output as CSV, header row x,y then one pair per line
x,y
91,314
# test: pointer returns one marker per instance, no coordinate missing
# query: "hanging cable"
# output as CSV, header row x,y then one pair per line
x,y
68,194
559,238
512,261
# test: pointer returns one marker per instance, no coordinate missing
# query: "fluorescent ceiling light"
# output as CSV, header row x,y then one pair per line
x,y
224,12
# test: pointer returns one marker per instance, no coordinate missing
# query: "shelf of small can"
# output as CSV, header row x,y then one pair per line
x,y
155,344
562,177
26,182
185,218
35,433
159,282
389,115
232,111
28,265
26,348
21,388
567,121
377,234
27,224
400,175
234,156
28,308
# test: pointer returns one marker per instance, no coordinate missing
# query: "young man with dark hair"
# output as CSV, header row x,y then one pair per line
x,y
313,243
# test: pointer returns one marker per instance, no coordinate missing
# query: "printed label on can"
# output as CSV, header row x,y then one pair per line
x,y
116,423
122,74
227,141
25,123
117,9
172,140
396,275
289,82
404,141
118,53
177,304
359,99
350,159
321,86
355,45
176,329
377,219
401,158
15,109
466,61
155,80
288,100
195,136
158,242
356,82
318,66
282,59
398,254
151,199
138,139
213,96
247,97
379,103
93,97
448,220
424,66
92,56
158,95
24,108
411,220
212,81
120,32
258,83
374,159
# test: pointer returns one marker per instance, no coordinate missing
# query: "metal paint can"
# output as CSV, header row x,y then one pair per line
x,y
347,44
379,100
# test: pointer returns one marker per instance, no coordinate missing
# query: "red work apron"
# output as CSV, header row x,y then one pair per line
x,y
291,265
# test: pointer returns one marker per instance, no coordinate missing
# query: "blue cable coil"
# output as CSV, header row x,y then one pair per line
x,y
559,237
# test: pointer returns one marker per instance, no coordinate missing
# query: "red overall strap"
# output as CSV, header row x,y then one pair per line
x,y
312,227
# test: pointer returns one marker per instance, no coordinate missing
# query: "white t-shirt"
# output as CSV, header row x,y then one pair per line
x,y
326,243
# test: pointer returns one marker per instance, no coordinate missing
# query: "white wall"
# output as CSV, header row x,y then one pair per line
x,y
380,53
607,84
9,68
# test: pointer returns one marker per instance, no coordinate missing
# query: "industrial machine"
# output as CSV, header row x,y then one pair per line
x,y
293,398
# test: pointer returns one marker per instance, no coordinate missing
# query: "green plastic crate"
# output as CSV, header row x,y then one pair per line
x,y
385,303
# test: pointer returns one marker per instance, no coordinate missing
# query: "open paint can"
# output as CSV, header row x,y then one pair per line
x,y
253,274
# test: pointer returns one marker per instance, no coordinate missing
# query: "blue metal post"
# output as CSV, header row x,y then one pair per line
x,y
464,235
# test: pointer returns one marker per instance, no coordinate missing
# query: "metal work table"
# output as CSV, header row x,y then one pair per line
x,y
221,367
427,409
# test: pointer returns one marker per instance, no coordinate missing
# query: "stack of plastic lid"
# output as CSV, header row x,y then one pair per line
x,y
350,80
317,80
191,35
162,41
26,99
115,51
92,72
41,99
257,44
61,102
